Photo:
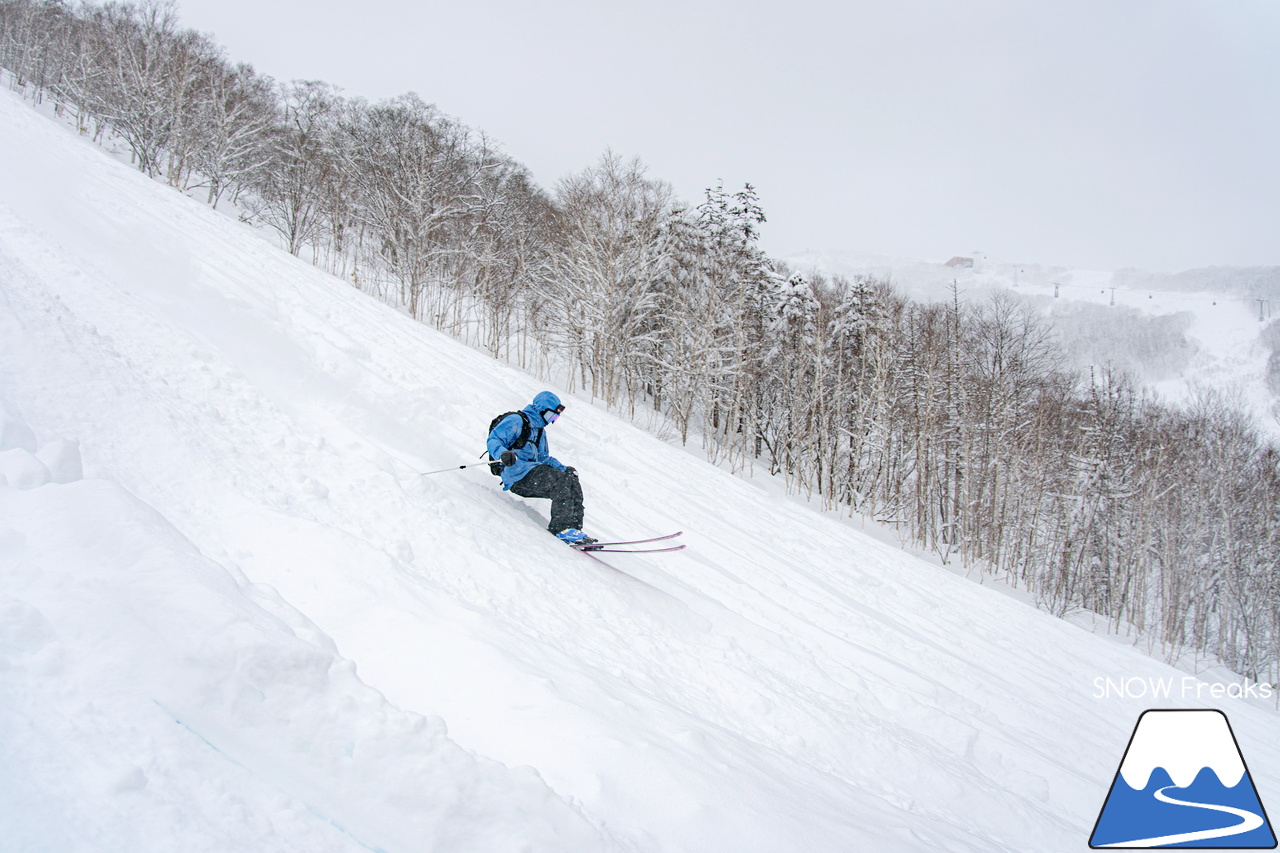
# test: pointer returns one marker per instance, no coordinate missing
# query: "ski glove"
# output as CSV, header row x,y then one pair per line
x,y
569,469
508,458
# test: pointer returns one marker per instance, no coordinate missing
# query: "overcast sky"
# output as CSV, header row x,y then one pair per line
x,y
1087,133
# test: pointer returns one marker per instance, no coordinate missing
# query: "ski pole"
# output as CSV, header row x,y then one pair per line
x,y
454,468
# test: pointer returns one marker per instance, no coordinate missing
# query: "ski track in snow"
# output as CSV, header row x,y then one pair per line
x,y
783,683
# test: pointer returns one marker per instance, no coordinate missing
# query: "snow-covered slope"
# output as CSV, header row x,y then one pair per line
x,y
152,700
252,625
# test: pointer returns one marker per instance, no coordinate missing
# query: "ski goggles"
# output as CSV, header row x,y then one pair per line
x,y
552,415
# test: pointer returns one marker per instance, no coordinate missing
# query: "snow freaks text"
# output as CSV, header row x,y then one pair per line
x,y
1172,687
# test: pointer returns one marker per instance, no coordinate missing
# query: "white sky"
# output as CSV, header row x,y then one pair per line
x,y
1089,133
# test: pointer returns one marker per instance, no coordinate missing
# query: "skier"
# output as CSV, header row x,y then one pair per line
x,y
518,442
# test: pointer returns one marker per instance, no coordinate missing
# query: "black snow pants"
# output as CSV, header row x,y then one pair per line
x,y
561,487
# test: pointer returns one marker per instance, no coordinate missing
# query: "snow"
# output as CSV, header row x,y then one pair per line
x,y
235,617
154,701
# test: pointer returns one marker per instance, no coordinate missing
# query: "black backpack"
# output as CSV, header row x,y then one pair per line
x,y
495,467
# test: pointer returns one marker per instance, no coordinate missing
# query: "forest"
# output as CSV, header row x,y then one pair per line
x,y
956,422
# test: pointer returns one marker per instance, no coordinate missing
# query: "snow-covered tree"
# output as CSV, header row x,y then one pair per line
x,y
604,271
291,190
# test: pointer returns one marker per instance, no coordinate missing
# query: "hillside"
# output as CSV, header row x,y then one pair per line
x,y
236,617
1176,332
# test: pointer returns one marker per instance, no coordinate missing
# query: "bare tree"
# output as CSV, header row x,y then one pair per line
x,y
413,181
604,269
234,127
291,187
144,77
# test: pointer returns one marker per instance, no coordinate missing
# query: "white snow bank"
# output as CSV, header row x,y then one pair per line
x,y
24,467
151,701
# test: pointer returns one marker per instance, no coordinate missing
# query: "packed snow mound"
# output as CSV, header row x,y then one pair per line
x,y
152,700
24,465
183,623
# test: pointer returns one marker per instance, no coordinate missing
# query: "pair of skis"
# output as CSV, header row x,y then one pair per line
x,y
611,547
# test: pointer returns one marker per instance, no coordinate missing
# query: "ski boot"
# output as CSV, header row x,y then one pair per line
x,y
574,536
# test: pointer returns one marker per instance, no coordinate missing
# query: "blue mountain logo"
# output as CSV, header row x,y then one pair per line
x,y
1183,783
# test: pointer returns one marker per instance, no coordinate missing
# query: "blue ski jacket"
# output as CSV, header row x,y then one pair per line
x,y
535,452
